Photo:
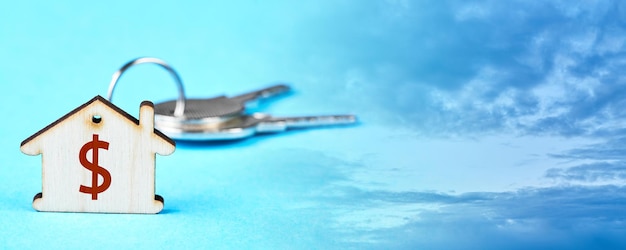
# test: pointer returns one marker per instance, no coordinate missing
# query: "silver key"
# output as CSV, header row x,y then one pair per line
x,y
249,125
224,118
214,109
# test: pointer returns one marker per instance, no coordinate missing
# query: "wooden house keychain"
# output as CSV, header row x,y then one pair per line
x,y
98,158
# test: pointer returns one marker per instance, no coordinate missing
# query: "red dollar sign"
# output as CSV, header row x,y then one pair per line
x,y
96,170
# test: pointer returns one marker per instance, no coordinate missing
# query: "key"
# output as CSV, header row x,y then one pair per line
x,y
224,118
216,108
221,117
249,125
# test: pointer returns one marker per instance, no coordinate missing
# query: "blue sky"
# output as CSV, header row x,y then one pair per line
x,y
541,78
484,124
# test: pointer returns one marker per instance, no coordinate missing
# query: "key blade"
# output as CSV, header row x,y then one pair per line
x,y
247,125
269,124
262,93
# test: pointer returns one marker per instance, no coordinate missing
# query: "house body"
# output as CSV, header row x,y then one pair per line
x,y
98,158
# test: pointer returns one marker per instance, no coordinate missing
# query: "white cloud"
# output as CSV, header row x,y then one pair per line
x,y
472,11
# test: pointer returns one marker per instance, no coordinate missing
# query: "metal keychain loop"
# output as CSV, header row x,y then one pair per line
x,y
180,102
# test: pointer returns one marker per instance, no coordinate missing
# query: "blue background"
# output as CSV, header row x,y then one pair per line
x,y
484,124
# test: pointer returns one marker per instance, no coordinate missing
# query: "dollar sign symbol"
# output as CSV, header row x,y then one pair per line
x,y
96,170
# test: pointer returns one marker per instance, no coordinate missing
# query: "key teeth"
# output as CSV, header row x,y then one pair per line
x,y
345,119
262,93
280,88
311,121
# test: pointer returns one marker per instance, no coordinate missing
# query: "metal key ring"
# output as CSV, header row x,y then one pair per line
x,y
180,102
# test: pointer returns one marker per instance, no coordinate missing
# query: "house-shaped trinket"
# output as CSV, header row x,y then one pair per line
x,y
98,158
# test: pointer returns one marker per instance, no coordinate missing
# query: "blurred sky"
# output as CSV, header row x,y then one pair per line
x,y
483,124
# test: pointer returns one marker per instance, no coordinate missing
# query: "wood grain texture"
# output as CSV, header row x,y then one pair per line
x,y
129,158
